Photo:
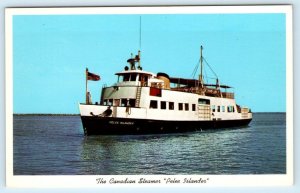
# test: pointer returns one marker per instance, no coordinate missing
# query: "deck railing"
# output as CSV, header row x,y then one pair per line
x,y
205,91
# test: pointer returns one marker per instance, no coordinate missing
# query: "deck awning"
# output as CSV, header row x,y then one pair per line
x,y
193,82
184,81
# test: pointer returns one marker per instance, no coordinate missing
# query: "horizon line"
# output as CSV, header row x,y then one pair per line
x,y
79,113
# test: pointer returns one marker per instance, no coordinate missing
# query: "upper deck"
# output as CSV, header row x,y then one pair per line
x,y
163,81
132,76
195,86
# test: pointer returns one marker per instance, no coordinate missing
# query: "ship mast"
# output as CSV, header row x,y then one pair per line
x,y
139,60
139,53
201,67
140,40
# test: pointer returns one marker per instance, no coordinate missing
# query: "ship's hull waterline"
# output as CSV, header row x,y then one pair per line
x,y
94,125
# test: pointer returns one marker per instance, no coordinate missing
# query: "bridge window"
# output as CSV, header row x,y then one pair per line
x,y
126,77
133,77
143,77
223,108
219,108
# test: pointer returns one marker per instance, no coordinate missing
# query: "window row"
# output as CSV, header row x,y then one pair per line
x,y
171,105
119,102
133,77
154,104
164,105
230,109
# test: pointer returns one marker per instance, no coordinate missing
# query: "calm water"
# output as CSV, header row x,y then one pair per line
x,y
50,145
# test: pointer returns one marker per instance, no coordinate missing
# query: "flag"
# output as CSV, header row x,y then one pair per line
x,y
91,76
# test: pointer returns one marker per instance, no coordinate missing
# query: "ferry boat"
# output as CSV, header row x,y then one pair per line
x,y
142,102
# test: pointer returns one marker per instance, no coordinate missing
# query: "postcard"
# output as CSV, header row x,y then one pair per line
x,y
174,96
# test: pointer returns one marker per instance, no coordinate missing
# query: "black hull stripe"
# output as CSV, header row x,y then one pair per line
x,y
125,126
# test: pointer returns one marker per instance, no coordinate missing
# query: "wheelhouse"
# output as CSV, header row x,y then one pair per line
x,y
134,78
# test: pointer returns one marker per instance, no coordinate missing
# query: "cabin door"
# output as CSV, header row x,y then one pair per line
x,y
204,110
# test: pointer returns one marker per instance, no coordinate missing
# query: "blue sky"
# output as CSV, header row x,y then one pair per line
x,y
51,52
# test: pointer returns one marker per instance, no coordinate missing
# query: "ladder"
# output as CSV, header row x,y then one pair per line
x,y
138,96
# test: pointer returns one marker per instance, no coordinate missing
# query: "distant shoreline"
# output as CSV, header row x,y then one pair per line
x,y
44,114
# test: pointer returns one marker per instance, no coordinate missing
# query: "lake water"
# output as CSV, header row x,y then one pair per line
x,y
56,145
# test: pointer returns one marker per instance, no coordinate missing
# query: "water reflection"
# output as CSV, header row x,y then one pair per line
x,y
189,153
124,154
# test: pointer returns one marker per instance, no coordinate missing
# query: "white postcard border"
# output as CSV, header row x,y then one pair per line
x,y
91,181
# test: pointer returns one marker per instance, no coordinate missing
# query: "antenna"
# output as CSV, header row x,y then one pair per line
x,y
201,65
140,32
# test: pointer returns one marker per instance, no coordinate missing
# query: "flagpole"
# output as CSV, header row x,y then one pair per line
x,y
86,85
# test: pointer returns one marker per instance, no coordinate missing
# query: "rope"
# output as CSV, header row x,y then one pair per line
x,y
210,67
195,69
